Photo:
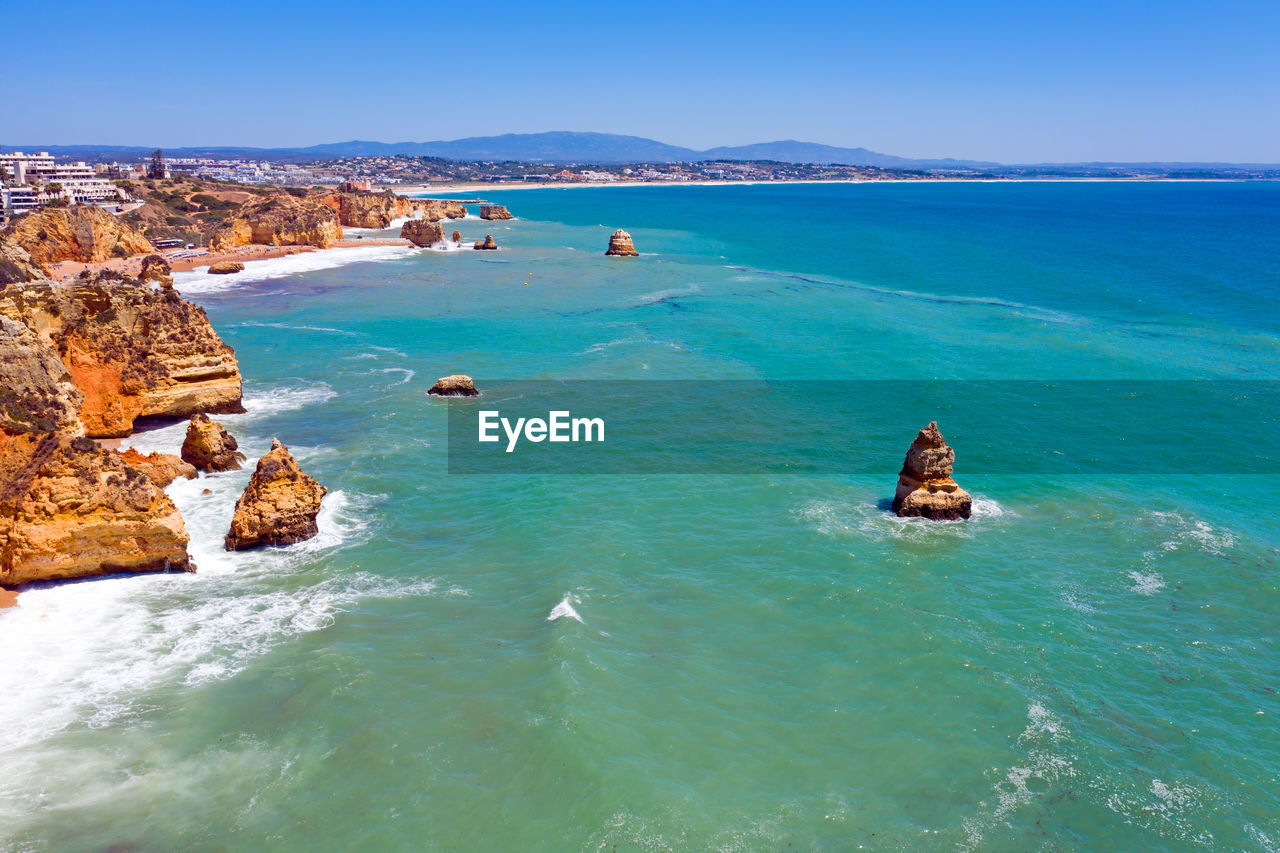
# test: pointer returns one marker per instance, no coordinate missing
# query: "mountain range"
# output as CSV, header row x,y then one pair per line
x,y
556,147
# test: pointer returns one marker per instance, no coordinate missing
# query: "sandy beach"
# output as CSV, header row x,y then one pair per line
x,y
8,598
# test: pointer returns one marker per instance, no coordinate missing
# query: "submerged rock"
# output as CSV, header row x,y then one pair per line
x,y
457,385
925,487
486,243
494,211
278,507
422,232
226,268
620,245
209,447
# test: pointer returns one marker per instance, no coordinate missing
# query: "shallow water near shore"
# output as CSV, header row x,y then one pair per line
x,y
720,661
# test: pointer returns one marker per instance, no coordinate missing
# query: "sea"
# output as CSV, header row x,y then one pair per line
x,y
737,657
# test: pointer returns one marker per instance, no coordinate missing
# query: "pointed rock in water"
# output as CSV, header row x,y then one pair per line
x,y
486,243
925,488
620,245
457,385
209,447
494,211
457,237
278,507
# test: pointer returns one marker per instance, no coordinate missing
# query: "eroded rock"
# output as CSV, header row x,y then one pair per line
x,y
209,447
457,385
279,506
620,245
925,487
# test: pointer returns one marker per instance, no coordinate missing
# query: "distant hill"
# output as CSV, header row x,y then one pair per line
x,y
555,147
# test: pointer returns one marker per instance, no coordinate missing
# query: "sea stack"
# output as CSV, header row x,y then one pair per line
x,y
422,232
620,245
226,268
486,243
157,269
457,237
494,211
209,447
925,487
457,385
278,507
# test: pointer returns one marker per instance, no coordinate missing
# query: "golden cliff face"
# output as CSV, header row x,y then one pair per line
x,y
69,509
80,233
377,210
281,220
131,350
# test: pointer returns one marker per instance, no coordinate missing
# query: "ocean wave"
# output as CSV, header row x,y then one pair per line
x,y
295,328
199,281
843,519
564,610
407,373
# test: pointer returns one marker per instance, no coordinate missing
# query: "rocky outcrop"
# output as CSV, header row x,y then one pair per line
x,y
84,233
278,507
494,211
280,220
486,243
620,245
377,210
69,509
36,390
925,487
160,468
209,447
421,232
457,385
435,209
157,269
16,265
457,237
131,350
226,268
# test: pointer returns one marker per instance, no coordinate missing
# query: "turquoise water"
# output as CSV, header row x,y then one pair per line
x,y
739,662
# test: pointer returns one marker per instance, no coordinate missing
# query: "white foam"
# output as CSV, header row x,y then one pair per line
x,y
1146,583
406,372
199,280
294,328
1193,533
841,519
564,610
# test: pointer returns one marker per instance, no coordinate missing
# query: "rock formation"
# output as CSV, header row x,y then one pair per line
x,y
457,385
69,509
494,211
226,268
209,447
620,245
377,210
16,265
36,390
457,237
81,233
421,232
486,243
435,209
280,220
157,269
132,351
925,487
278,507
160,468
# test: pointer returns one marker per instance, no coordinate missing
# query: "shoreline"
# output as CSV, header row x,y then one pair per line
x,y
8,598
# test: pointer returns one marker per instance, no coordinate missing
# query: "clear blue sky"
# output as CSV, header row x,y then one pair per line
x,y
1009,81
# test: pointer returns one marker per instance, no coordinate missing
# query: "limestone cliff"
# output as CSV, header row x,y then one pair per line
x,y
157,269
280,220
69,509
82,233
16,265
494,211
925,487
36,391
160,468
131,350
278,507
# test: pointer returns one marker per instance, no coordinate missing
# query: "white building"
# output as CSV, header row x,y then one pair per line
x,y
29,176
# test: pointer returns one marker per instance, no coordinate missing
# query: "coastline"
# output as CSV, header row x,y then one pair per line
x,y
8,598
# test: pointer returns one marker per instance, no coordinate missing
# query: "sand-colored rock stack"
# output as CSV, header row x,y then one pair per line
x,y
85,233
620,245
131,351
925,487
486,243
494,211
157,269
226,268
279,506
209,447
422,232
457,385
457,237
